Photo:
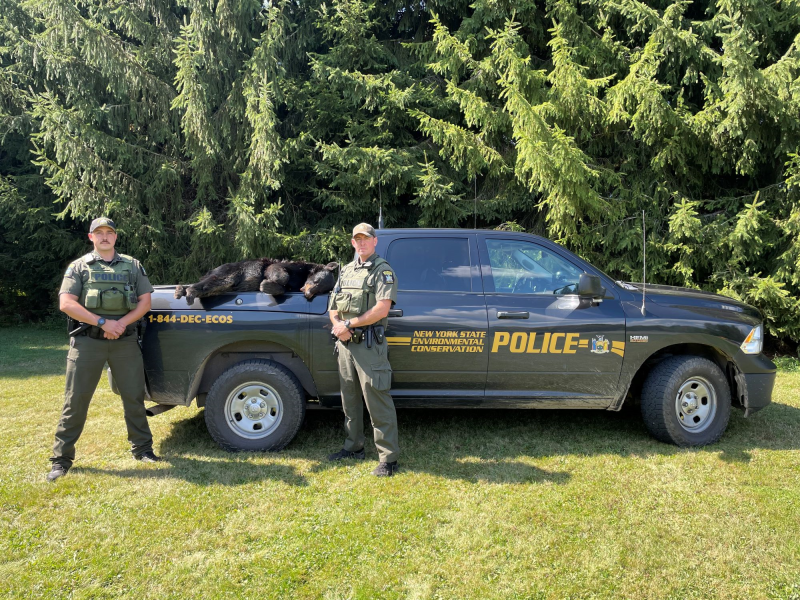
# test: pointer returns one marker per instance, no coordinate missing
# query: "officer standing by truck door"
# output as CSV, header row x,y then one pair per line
x,y
104,294
359,306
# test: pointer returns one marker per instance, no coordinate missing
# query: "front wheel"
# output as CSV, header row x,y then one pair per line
x,y
686,401
255,405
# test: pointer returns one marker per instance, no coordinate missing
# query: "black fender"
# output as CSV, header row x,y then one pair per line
x,y
632,379
228,355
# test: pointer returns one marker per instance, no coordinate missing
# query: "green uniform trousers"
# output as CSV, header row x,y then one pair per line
x,y
85,361
367,371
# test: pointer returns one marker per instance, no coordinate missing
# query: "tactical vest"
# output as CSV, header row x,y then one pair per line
x,y
356,294
110,290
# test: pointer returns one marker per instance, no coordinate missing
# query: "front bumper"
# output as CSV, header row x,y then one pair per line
x,y
757,391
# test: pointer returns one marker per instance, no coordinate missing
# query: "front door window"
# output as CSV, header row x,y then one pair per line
x,y
523,268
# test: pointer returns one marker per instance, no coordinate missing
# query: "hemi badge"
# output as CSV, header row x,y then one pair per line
x,y
638,338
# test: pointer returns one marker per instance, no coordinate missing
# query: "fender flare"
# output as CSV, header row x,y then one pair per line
x,y
632,379
230,354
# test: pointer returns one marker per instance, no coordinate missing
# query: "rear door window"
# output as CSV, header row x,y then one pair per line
x,y
431,264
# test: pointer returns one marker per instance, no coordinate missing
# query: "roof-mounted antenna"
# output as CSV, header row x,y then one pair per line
x,y
644,263
475,207
380,207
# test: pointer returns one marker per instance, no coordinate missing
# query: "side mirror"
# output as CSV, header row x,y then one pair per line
x,y
589,287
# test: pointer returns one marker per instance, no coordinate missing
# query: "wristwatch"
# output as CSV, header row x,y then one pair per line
x,y
347,323
101,321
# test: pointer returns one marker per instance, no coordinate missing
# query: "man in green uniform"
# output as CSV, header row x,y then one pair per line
x,y
106,294
359,306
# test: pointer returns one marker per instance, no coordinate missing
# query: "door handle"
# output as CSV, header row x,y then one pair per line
x,y
504,314
395,312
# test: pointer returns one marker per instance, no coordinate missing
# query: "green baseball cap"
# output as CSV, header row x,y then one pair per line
x,y
364,229
102,222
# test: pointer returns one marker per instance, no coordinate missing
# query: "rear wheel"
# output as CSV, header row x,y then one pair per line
x,y
686,401
255,405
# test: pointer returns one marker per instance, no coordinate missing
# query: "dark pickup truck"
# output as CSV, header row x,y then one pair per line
x,y
484,319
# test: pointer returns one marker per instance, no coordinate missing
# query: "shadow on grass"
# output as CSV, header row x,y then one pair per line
x,y
494,446
187,440
472,468
489,446
206,472
430,443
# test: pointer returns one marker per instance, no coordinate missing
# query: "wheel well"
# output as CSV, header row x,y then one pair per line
x,y
229,355
729,368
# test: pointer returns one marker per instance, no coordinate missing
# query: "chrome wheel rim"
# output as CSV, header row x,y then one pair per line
x,y
696,404
253,410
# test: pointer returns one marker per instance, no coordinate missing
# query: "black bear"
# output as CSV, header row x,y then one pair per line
x,y
264,274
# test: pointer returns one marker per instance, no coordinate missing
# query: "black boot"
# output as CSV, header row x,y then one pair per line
x,y
343,454
56,472
385,469
148,456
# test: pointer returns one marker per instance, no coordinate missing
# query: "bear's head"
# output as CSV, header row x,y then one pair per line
x,y
320,281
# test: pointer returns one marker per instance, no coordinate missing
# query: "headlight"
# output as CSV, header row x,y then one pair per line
x,y
754,341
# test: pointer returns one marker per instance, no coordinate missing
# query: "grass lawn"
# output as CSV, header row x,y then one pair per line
x,y
489,504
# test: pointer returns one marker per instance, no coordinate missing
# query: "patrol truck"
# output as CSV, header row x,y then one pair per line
x,y
483,319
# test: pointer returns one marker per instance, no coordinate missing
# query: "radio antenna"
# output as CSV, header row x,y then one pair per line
x,y
380,207
644,262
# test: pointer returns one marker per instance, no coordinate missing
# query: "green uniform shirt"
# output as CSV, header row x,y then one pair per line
x,y
77,275
382,283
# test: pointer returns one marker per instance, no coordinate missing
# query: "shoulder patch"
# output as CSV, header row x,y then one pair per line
x,y
70,270
141,268
388,277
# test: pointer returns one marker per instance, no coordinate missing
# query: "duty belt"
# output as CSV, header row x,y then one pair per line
x,y
368,335
362,334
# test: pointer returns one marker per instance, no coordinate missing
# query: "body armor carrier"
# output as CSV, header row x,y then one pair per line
x,y
356,296
109,290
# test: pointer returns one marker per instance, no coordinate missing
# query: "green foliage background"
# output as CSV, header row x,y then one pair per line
x,y
214,130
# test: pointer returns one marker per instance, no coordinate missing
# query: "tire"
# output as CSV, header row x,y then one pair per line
x,y
255,405
686,401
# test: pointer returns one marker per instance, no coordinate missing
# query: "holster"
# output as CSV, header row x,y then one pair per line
x,y
75,328
358,335
370,336
139,325
96,333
